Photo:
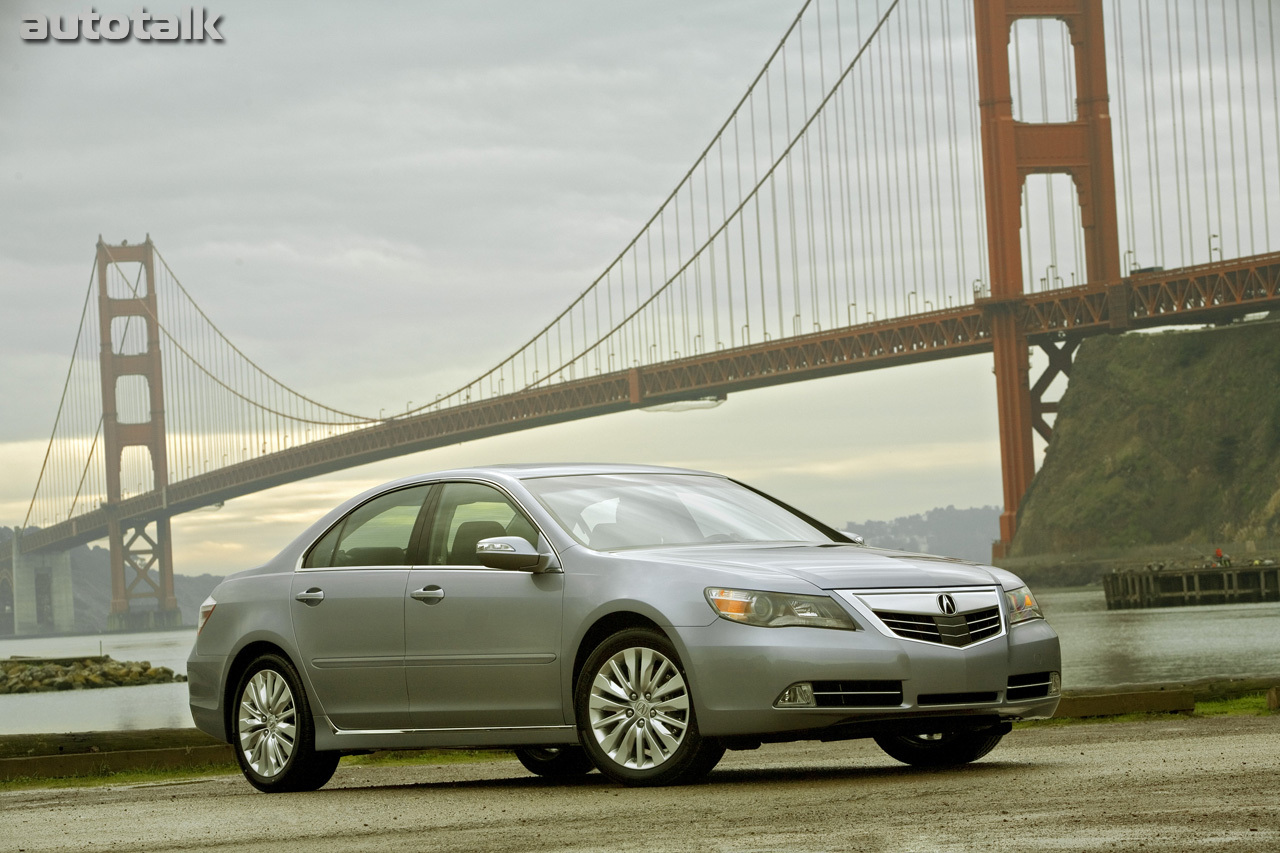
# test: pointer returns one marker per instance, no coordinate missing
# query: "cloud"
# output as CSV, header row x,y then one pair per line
x,y
377,203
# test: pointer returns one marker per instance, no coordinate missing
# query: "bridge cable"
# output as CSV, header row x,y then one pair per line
x,y
278,386
66,386
1231,134
742,204
1148,117
1213,113
1244,117
1174,105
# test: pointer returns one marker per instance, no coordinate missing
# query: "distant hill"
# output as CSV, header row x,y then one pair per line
x,y
91,587
947,531
1162,440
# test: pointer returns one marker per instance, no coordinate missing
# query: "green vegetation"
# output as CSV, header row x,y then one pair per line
x,y
180,775
1248,705
170,775
1161,440
427,756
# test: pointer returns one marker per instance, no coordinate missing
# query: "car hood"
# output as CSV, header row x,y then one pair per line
x,y
832,566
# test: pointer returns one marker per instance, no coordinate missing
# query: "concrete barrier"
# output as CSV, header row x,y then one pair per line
x,y
101,763
1114,704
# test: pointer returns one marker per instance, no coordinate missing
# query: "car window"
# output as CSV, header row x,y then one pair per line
x,y
617,511
376,533
467,513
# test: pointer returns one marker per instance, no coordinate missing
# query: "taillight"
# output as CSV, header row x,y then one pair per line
x,y
206,610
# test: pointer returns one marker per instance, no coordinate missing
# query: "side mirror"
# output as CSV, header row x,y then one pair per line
x,y
509,552
856,538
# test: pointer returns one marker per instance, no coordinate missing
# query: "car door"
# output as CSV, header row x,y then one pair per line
x,y
482,646
348,611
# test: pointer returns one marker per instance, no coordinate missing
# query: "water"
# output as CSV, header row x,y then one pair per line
x,y
1099,648
150,706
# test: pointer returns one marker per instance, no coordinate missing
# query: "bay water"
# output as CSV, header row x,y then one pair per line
x,y
1100,648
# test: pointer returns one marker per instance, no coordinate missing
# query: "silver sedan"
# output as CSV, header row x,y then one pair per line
x,y
634,619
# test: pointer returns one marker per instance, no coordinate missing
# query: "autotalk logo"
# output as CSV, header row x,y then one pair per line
x,y
193,24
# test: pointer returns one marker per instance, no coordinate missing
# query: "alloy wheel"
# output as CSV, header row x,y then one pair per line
x,y
639,708
268,723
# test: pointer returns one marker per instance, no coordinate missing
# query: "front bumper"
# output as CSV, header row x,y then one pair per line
x,y
737,672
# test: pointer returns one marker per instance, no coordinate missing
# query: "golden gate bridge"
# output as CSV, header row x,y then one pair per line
x,y
903,181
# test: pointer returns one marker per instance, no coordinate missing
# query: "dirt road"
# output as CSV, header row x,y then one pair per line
x,y
1169,785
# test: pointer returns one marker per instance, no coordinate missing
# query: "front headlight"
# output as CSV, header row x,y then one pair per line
x,y
779,609
1021,605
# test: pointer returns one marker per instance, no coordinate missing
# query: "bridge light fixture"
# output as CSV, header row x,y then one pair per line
x,y
687,405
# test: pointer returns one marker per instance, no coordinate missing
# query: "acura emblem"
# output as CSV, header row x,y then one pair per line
x,y
946,604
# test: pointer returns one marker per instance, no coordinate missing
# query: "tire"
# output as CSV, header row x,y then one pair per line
x,y
635,713
942,749
272,730
555,762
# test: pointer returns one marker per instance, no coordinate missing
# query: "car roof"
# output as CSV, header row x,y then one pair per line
x,y
534,470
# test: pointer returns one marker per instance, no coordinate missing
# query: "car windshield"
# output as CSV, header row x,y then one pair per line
x,y
609,512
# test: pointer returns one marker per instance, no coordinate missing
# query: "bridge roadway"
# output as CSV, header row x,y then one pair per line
x,y
1202,294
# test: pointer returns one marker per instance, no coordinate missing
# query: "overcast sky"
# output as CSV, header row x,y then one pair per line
x,y
378,202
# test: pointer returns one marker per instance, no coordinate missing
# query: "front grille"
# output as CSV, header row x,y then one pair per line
x,y
857,694
983,623
954,698
1033,685
961,629
913,626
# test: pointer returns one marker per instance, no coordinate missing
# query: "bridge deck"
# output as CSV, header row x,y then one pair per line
x,y
1192,295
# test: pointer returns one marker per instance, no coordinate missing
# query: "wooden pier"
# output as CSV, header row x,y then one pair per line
x,y
1181,587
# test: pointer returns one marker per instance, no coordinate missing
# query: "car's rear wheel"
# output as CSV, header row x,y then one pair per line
x,y
941,749
635,713
555,761
272,730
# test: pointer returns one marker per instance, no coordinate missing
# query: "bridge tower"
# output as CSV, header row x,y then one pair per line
x,y
1011,150
137,545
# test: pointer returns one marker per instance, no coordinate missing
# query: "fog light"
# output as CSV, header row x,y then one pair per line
x,y
1055,683
797,696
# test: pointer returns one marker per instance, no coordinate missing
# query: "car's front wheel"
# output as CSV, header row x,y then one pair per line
x,y
555,761
272,730
635,713
941,749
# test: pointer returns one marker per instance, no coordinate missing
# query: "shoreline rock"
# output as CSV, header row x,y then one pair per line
x,y
41,675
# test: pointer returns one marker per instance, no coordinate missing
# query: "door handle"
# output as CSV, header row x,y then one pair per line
x,y
428,594
311,597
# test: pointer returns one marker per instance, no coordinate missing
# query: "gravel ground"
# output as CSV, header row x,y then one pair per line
x,y
1172,784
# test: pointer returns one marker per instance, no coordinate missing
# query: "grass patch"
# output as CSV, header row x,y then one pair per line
x,y
1248,705
179,775
171,775
425,756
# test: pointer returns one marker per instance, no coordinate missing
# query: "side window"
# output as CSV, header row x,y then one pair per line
x,y
321,553
467,513
377,533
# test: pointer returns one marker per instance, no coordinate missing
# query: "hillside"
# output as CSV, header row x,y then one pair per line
x,y
91,587
945,531
1162,439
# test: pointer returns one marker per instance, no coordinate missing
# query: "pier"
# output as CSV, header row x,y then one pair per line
x,y
1153,586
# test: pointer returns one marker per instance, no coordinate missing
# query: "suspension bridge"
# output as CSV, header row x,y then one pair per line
x,y
903,181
